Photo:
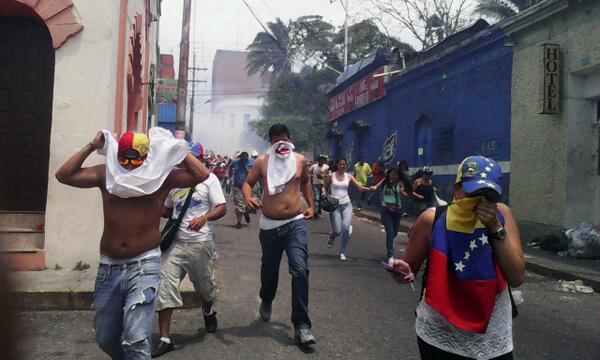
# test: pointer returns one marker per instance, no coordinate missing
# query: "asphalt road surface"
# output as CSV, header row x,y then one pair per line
x,y
357,310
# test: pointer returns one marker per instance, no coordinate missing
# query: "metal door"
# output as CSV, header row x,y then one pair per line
x,y
26,85
423,141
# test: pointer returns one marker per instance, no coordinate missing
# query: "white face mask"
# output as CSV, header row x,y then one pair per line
x,y
282,149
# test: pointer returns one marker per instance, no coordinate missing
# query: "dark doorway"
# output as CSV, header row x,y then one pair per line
x,y
26,86
423,141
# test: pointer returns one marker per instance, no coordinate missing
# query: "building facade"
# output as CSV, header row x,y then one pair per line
x,y
555,116
69,68
451,101
236,99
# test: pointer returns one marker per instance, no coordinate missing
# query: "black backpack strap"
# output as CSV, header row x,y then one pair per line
x,y
186,204
439,211
513,305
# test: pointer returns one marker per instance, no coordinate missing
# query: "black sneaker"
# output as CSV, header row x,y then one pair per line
x,y
238,226
265,311
162,348
330,241
210,322
247,217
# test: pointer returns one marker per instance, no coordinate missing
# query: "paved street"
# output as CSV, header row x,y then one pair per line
x,y
358,312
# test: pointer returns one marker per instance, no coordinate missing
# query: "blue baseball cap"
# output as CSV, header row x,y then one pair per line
x,y
479,172
196,149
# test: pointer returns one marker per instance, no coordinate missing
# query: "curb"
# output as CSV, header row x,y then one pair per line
x,y
535,265
532,263
74,300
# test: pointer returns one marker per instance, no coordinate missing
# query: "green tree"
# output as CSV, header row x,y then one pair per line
x,y
498,9
429,21
271,51
365,39
300,102
311,36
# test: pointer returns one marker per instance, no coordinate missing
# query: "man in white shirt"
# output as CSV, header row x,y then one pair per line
x,y
193,253
319,171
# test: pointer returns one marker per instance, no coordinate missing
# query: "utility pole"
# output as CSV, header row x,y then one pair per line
x,y
345,6
194,82
184,53
345,36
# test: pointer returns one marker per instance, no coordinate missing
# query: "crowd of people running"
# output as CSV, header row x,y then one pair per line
x,y
472,246
384,189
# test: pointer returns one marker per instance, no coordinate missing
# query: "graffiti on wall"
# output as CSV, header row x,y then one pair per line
x,y
388,151
350,153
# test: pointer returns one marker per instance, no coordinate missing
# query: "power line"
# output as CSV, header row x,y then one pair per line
x,y
256,17
269,9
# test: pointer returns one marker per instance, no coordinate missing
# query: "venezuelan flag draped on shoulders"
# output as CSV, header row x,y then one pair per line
x,y
464,278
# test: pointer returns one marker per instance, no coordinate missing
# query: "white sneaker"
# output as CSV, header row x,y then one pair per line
x,y
343,257
350,230
391,261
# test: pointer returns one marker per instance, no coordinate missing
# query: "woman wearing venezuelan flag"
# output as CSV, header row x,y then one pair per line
x,y
474,254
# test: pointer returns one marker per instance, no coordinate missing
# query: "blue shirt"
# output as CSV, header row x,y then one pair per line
x,y
240,171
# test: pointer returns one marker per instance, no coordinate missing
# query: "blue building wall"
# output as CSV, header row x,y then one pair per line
x,y
453,107
166,113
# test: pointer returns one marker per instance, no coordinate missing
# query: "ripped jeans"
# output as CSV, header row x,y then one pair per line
x,y
124,305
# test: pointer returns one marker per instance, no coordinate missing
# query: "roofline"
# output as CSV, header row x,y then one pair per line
x,y
534,14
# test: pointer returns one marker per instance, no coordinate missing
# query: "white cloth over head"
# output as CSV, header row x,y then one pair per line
x,y
165,152
281,168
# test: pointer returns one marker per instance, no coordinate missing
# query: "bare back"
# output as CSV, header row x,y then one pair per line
x,y
286,204
131,226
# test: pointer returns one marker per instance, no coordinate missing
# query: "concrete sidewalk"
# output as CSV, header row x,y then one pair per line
x,y
68,290
536,260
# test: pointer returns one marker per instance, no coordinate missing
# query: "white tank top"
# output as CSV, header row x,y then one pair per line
x,y
339,189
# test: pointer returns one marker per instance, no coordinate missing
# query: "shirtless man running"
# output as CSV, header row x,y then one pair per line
x,y
129,272
283,225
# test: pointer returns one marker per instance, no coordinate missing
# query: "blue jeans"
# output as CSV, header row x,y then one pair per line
x,y
124,305
341,220
293,239
317,189
391,222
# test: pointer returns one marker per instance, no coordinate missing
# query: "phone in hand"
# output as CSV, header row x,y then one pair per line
x,y
393,269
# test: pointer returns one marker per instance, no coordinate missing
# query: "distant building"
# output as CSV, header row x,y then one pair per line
x,y
235,101
64,75
166,68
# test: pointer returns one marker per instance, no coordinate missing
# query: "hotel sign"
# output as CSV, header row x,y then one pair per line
x,y
361,93
551,79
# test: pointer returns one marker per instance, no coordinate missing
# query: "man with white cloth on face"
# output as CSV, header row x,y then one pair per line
x,y
134,183
283,225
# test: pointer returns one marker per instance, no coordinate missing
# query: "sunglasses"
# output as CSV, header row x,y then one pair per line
x,y
134,162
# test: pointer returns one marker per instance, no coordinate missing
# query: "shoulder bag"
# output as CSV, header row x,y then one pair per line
x,y
167,234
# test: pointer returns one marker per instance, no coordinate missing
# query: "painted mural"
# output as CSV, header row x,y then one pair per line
x,y
388,151
350,154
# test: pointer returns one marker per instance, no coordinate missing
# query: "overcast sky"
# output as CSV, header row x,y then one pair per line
x,y
229,25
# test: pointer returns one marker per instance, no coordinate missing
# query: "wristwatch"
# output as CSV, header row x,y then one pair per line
x,y
500,234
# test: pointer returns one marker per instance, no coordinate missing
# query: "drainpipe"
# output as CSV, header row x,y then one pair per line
x,y
184,52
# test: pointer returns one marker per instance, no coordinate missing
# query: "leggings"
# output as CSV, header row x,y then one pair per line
x,y
430,352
